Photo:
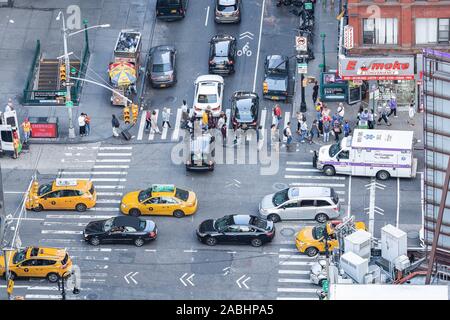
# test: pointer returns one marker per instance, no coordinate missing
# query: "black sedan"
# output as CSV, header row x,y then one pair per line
x,y
244,110
121,229
222,54
161,68
236,229
276,77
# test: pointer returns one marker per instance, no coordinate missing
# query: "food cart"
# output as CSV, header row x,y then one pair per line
x,y
124,70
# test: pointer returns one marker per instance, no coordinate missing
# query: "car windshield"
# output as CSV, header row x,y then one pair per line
x,y
244,109
108,224
334,149
207,98
162,67
168,2
222,223
318,232
19,256
227,5
280,197
144,195
43,189
181,194
276,67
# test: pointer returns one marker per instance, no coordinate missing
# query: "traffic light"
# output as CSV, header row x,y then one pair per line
x,y
34,187
62,73
126,115
325,286
265,87
135,112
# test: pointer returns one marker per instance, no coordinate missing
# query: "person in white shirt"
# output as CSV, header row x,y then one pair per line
x,y
154,123
9,106
82,124
166,117
411,114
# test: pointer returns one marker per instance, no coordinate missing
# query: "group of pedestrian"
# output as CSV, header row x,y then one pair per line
x,y
84,124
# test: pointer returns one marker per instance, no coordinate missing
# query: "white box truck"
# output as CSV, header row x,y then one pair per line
x,y
374,153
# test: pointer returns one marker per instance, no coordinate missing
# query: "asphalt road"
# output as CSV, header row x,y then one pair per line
x,y
176,265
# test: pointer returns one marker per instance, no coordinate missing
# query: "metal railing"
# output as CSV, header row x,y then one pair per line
x,y
27,92
77,88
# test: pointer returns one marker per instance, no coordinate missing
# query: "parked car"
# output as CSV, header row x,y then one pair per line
x,y
161,69
228,11
122,229
244,110
171,10
222,54
301,203
276,77
246,229
208,94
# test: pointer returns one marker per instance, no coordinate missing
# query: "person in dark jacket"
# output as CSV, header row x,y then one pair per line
x,y
315,92
115,125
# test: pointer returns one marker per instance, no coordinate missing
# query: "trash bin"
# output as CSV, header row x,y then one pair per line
x,y
44,127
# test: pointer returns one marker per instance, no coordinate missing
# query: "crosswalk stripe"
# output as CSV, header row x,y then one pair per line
x,y
114,154
297,289
340,192
228,114
103,209
109,187
288,250
296,263
165,129
294,256
176,130
299,184
262,122
294,163
283,280
116,148
151,136
109,194
314,177
94,172
107,201
74,216
106,179
60,223
296,298
141,126
113,160
107,166
61,232
303,169
293,271
42,296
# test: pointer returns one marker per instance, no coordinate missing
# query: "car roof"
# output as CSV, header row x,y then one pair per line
x,y
308,192
45,252
207,87
226,2
71,184
242,219
127,221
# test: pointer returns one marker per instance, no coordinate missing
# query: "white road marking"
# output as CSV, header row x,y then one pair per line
x,y
288,250
116,148
109,187
190,250
340,192
103,209
28,219
113,160
114,154
151,136
283,280
294,271
107,201
60,232
176,130
74,216
262,122
296,263
42,296
165,129
314,177
60,240
141,126
302,169
15,192
287,117
94,172
228,114
295,256
207,16
107,194
112,166
294,163
318,185
297,290
259,45
59,223
107,179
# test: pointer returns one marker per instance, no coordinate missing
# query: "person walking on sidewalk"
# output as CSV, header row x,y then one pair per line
x,y
184,115
154,123
326,131
300,119
315,92
9,105
303,131
26,126
341,112
115,126
346,128
371,120
411,114
87,121
166,117
82,124
337,130
276,115
319,119
288,134
148,121
384,115
393,107
275,138
16,144
314,130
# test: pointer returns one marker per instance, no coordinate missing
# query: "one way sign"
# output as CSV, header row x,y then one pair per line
x,y
301,43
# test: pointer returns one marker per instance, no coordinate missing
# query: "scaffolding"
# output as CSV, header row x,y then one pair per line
x,y
436,88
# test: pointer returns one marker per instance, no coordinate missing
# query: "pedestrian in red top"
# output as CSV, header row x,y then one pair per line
x,y
276,114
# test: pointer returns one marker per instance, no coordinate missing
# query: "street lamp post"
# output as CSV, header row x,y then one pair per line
x,y
303,102
322,35
69,103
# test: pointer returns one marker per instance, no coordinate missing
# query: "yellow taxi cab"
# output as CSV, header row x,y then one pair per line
x,y
159,199
62,194
311,240
39,262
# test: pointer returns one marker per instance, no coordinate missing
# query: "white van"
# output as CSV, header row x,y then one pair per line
x,y
374,153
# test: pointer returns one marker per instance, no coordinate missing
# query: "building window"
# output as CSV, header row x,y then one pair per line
x,y
380,31
432,30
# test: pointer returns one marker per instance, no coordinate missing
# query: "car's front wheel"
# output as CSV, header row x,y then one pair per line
x,y
39,208
311,251
95,241
274,218
321,218
178,214
135,212
211,241
256,242
81,207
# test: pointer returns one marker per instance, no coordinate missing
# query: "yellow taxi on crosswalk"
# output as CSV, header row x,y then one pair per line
x,y
160,199
38,262
62,194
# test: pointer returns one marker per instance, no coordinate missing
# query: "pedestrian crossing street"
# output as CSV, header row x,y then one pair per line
x,y
293,275
107,167
175,133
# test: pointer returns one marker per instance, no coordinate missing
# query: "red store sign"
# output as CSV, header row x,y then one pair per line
x,y
377,68
44,130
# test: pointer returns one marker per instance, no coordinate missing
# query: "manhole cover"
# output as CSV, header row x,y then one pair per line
x,y
92,296
413,234
171,99
287,232
280,186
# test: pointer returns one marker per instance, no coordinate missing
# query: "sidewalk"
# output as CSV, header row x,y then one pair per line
x,y
30,20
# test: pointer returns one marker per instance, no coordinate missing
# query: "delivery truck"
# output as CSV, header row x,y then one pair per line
x,y
373,153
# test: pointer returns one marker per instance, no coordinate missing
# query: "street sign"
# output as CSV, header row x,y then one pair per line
x,y
69,104
308,5
301,43
348,37
302,68
73,70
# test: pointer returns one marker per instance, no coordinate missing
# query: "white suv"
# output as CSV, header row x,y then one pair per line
x,y
208,94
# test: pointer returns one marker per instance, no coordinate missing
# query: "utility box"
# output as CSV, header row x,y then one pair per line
x,y
393,243
354,266
359,243
402,262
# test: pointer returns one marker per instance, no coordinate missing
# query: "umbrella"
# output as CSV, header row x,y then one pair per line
x,y
122,74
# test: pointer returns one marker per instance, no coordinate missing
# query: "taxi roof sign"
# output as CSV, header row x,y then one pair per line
x,y
65,182
163,188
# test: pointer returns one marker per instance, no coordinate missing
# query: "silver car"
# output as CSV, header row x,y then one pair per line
x,y
301,203
228,11
161,70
